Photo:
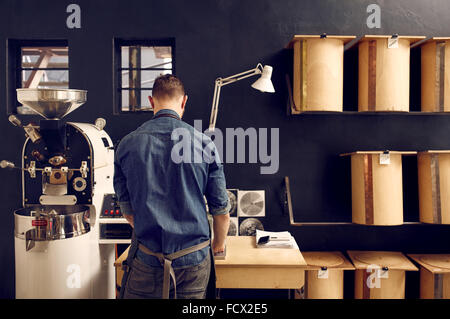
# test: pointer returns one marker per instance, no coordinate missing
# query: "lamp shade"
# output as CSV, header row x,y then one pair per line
x,y
264,84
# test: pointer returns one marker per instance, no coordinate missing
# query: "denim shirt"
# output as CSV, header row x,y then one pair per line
x,y
166,197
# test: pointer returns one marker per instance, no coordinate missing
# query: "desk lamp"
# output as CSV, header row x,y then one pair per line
x,y
263,84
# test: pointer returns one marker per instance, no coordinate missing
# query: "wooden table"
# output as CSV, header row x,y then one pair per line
x,y
246,266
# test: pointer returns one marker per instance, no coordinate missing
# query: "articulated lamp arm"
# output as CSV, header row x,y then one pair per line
x,y
225,81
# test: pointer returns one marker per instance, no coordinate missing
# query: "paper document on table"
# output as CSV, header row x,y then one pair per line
x,y
265,239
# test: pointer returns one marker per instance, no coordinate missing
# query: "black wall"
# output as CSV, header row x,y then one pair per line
x,y
224,37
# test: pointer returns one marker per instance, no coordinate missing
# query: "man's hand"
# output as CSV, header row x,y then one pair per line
x,y
220,226
218,247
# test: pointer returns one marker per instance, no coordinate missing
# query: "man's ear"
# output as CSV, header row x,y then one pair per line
x,y
152,103
183,103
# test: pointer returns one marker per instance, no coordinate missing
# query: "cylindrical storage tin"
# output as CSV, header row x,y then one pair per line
x,y
383,83
52,253
377,187
318,72
380,275
434,186
434,275
324,277
435,73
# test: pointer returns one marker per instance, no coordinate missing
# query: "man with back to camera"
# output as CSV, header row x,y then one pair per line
x,y
163,200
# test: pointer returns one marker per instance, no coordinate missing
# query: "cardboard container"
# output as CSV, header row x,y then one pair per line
x,y
435,70
377,187
324,276
380,274
383,83
434,275
434,186
318,72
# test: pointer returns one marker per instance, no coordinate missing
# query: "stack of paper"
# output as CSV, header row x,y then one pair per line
x,y
265,239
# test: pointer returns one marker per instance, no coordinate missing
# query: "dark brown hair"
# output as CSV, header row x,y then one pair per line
x,y
168,86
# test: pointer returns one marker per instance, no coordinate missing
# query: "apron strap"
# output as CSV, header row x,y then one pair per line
x,y
166,262
168,273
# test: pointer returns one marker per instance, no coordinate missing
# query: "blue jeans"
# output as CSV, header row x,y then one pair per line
x,y
146,281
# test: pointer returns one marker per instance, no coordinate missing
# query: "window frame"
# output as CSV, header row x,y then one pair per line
x,y
118,43
14,66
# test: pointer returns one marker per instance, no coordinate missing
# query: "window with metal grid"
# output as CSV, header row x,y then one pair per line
x,y
40,64
137,64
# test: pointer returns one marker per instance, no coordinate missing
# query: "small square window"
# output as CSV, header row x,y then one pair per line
x,y
45,67
137,64
36,64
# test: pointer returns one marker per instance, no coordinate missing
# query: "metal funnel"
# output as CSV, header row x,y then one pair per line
x,y
51,103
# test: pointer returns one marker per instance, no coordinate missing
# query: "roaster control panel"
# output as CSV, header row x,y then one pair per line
x,y
110,207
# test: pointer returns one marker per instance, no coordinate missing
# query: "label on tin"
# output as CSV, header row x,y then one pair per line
x,y
38,222
385,159
322,274
393,43
382,273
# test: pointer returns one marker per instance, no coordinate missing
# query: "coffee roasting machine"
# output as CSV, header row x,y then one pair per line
x,y
67,173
